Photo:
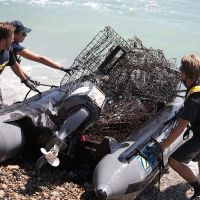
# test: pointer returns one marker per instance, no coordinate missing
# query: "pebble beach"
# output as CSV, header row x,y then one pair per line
x,y
20,181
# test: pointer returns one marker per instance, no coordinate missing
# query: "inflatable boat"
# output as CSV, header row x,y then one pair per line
x,y
113,82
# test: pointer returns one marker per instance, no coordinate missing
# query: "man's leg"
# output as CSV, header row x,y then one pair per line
x,y
183,170
184,154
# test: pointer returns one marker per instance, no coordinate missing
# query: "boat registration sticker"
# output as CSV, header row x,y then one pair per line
x,y
144,162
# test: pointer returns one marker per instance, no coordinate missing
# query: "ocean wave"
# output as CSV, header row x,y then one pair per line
x,y
102,5
171,11
92,5
50,2
112,6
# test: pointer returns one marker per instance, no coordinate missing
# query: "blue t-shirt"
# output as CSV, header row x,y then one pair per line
x,y
17,48
7,58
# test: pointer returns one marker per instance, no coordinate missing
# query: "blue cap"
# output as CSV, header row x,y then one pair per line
x,y
19,27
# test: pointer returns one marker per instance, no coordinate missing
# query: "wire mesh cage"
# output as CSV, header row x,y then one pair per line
x,y
136,80
92,58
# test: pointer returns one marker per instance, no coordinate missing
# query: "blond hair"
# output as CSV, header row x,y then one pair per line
x,y
6,29
190,65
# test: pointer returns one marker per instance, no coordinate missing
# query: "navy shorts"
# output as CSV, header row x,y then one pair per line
x,y
190,150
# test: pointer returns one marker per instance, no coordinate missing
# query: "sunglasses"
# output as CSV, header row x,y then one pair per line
x,y
24,34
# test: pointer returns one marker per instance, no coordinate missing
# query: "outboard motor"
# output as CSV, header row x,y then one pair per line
x,y
76,113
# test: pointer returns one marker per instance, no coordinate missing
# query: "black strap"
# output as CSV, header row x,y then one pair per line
x,y
18,58
187,133
161,166
30,91
51,86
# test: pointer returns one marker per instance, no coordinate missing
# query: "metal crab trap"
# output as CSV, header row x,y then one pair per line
x,y
136,80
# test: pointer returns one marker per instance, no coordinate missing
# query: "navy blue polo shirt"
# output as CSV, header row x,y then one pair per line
x,y
17,47
7,58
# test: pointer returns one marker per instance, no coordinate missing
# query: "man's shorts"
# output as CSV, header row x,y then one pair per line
x,y
190,150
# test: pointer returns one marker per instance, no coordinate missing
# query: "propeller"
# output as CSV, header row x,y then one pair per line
x,y
50,157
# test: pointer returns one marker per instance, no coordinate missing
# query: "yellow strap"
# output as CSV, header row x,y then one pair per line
x,y
2,66
193,90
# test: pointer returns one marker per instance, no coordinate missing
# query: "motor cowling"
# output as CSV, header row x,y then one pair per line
x,y
81,109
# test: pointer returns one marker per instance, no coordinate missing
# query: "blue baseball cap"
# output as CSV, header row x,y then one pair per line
x,y
19,27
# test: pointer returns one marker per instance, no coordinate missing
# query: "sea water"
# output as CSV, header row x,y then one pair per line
x,y
62,28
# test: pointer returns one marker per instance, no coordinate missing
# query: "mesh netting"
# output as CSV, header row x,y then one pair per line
x,y
136,80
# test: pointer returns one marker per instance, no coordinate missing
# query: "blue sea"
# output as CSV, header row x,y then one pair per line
x,y
61,30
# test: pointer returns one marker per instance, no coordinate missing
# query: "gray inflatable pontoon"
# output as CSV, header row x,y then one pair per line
x,y
23,118
50,120
125,170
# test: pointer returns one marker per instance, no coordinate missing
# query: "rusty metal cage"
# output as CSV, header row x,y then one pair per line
x,y
136,80
94,58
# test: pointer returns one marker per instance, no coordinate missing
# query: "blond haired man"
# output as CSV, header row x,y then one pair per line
x,y
190,76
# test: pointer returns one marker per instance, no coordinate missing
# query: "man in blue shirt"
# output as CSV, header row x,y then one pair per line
x,y
7,56
19,36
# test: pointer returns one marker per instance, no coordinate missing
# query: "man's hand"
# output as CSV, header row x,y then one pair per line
x,y
155,149
37,83
30,84
69,71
